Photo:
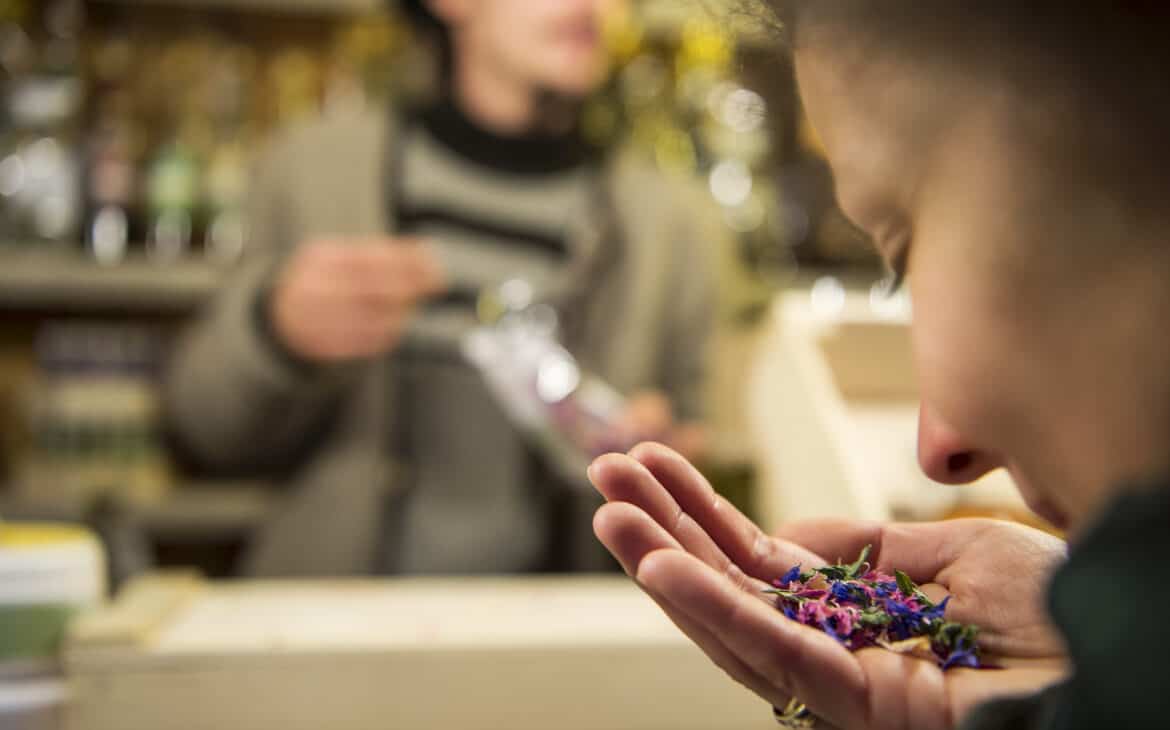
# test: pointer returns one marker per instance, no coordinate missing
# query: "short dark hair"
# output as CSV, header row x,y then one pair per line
x,y
1108,58
419,14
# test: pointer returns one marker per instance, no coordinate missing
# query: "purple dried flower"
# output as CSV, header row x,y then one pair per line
x,y
861,607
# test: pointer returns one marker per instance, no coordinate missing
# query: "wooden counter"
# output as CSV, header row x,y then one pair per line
x,y
409,654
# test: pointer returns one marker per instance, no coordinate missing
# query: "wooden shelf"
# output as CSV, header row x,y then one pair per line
x,y
201,511
209,509
72,283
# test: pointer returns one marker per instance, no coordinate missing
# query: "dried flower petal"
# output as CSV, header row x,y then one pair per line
x,y
918,646
860,607
790,577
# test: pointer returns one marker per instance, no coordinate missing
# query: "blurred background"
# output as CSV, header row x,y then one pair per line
x,y
128,129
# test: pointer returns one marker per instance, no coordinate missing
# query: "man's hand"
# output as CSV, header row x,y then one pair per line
x,y
649,416
707,565
342,300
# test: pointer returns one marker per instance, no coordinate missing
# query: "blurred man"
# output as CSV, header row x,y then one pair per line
x,y
333,358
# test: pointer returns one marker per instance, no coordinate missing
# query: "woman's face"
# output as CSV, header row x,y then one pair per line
x,y
1039,325
556,45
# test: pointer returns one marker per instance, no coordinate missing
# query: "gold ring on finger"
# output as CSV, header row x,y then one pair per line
x,y
795,715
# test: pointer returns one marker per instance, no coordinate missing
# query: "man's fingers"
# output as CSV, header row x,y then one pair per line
x,y
422,267
759,555
396,283
649,414
401,271
794,659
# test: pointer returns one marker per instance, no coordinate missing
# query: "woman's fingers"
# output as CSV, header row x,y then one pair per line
x,y
630,534
969,688
622,479
833,537
921,550
720,655
793,659
760,556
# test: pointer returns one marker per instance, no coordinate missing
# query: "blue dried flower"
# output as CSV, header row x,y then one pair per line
x,y
861,607
791,576
848,594
961,657
936,612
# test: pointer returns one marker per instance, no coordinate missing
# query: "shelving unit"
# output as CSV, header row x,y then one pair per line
x,y
200,525
201,511
71,283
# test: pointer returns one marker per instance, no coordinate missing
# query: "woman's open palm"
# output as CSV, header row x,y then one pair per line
x,y
707,566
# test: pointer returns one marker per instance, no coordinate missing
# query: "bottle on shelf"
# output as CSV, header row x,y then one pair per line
x,y
111,187
295,83
39,192
172,191
93,416
225,186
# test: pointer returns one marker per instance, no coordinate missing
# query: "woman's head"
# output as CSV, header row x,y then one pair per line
x,y
1012,155
553,46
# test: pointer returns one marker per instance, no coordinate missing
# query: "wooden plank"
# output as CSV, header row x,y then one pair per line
x,y
72,283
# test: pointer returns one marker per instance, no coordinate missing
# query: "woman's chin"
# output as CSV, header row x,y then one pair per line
x,y
1048,511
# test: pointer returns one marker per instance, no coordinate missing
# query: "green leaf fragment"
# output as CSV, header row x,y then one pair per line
x,y
905,584
874,617
834,572
785,594
935,637
949,635
860,567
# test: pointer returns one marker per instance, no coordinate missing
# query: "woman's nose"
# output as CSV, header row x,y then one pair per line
x,y
945,456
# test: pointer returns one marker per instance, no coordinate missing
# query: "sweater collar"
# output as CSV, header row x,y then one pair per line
x,y
532,153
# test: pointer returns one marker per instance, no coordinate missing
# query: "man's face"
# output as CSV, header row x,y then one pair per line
x,y
1035,335
551,44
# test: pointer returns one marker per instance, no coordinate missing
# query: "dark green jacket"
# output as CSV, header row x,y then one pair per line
x,y
1111,601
